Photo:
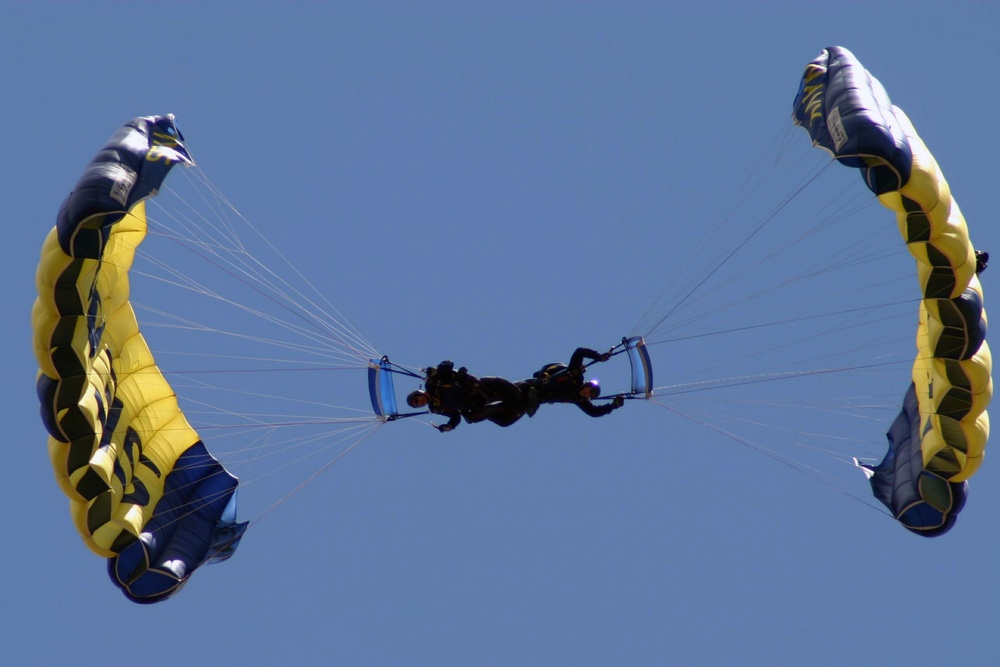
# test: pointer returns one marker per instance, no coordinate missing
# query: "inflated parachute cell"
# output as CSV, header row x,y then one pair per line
x,y
937,442
144,492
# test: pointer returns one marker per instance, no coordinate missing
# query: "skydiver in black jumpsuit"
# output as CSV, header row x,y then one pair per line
x,y
558,383
458,395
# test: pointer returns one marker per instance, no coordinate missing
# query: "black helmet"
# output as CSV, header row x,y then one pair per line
x,y
413,399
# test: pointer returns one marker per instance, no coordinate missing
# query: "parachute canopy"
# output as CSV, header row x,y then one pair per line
x,y
144,491
937,442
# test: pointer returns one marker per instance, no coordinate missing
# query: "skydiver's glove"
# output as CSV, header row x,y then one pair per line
x,y
618,402
604,357
444,428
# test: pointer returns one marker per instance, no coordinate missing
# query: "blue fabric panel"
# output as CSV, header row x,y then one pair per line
x,y
381,389
373,390
847,111
119,176
923,502
48,390
192,517
966,328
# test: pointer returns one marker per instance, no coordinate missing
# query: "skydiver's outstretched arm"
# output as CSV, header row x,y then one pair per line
x,y
581,353
454,419
600,410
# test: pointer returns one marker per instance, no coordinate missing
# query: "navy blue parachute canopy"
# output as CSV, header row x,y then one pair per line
x,y
193,524
921,501
847,112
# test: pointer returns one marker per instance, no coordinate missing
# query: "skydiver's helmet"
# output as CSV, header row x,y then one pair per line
x,y
418,399
591,389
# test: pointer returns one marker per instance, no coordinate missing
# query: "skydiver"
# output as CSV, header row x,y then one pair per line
x,y
458,394
558,383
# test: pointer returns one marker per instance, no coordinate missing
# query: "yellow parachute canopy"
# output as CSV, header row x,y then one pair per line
x,y
937,442
144,491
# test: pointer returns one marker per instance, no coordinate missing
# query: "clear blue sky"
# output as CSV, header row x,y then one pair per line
x,y
498,183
